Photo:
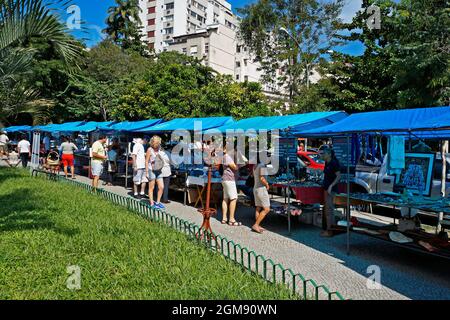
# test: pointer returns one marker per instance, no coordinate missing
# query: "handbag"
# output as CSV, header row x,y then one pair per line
x,y
158,164
53,161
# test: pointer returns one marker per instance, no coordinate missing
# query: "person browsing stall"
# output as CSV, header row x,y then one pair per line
x,y
261,195
24,150
67,158
230,194
139,171
332,175
4,141
154,164
98,159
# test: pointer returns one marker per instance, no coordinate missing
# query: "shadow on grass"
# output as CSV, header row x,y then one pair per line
x,y
22,210
8,173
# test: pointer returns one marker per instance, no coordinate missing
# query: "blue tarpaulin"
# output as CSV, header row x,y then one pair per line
x,y
394,121
189,124
17,129
88,127
128,126
293,123
57,127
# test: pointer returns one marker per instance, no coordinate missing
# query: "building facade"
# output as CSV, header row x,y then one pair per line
x,y
206,29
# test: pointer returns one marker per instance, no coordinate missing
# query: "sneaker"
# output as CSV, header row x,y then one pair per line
x,y
143,195
159,205
136,196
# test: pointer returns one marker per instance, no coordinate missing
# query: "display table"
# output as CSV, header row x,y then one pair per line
x,y
419,239
199,183
306,192
397,200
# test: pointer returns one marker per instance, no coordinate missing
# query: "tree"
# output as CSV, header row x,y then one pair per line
x,y
180,86
21,23
124,25
289,35
405,63
106,74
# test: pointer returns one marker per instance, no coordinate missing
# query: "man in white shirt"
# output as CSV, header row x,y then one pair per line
x,y
139,176
24,150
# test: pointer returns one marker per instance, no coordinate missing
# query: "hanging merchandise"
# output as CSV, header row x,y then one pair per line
x,y
396,155
379,149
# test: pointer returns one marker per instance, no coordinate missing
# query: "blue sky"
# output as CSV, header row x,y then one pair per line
x,y
94,12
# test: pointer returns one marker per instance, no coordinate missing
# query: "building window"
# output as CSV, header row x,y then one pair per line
x,y
193,50
170,6
245,78
206,47
245,62
184,50
151,34
168,30
237,77
151,46
238,49
151,10
151,22
238,64
168,18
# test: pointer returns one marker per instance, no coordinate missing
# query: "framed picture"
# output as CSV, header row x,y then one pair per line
x,y
418,173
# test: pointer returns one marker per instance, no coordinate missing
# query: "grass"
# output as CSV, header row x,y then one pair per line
x,y
47,226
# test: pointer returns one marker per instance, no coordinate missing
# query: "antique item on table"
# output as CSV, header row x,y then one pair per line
x,y
406,225
427,246
399,237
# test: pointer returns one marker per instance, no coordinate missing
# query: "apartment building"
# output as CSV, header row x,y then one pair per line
x,y
206,29
165,19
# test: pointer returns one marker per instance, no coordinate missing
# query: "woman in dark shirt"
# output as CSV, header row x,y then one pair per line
x,y
332,175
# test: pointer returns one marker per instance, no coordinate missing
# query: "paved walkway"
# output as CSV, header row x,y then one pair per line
x,y
404,274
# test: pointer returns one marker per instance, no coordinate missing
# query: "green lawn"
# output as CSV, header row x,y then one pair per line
x,y
46,226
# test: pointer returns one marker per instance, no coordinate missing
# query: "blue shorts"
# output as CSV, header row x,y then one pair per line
x,y
154,175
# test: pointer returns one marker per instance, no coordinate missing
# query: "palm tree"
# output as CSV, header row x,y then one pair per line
x,y
20,21
124,24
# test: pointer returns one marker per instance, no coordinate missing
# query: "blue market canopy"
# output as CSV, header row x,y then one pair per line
x,y
88,127
13,129
403,121
189,124
128,126
294,124
57,127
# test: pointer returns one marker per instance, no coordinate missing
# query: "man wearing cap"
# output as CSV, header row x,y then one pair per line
x,y
139,176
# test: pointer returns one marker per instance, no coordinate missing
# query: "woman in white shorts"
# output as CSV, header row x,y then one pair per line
x,y
261,193
154,162
230,194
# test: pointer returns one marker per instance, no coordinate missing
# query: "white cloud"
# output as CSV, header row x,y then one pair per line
x,y
349,10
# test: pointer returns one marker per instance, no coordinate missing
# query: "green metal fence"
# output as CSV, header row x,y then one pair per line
x,y
247,259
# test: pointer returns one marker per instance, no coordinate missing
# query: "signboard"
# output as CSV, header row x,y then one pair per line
x,y
287,147
342,150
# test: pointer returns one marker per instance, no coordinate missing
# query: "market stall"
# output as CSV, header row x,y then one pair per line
x,y
291,176
410,172
190,178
